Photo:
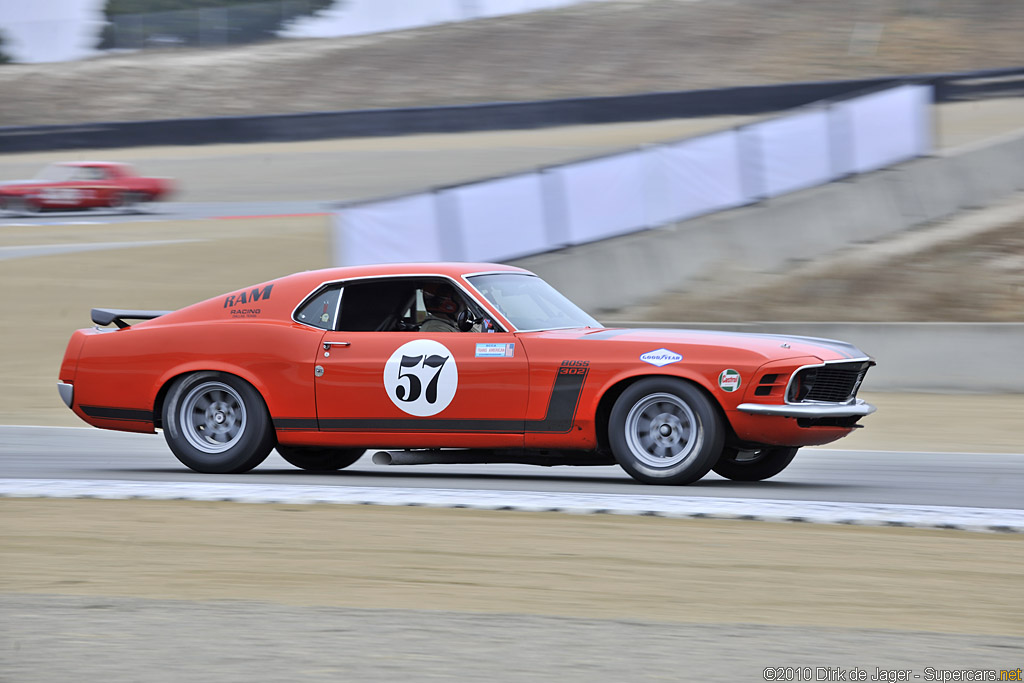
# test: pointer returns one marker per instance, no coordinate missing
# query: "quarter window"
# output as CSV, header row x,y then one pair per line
x,y
322,309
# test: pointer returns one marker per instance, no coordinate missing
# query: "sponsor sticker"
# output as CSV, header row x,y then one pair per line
x,y
495,350
245,312
244,297
421,377
574,367
729,380
661,357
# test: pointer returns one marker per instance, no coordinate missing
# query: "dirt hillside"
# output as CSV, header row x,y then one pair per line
x,y
592,49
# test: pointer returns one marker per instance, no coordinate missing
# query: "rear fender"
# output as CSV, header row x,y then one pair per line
x,y
168,378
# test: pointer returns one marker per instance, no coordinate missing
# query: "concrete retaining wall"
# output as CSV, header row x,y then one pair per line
x,y
766,237
928,357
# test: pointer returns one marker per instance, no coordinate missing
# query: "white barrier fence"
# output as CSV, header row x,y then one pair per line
x,y
585,201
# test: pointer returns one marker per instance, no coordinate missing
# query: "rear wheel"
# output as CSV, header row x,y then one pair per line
x,y
663,430
317,459
755,465
217,423
23,205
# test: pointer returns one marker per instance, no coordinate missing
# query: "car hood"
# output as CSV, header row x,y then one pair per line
x,y
768,346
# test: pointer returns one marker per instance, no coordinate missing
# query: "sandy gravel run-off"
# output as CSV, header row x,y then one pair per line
x,y
718,596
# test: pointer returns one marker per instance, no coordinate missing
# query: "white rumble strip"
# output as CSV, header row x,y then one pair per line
x,y
816,512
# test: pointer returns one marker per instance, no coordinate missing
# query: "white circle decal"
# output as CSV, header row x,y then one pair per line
x,y
421,377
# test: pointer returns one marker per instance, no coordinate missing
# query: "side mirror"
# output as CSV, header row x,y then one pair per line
x,y
465,320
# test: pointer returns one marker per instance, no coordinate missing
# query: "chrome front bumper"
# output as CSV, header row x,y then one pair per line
x,y
67,393
810,410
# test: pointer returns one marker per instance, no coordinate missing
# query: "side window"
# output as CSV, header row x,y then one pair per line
x,y
322,309
377,305
392,305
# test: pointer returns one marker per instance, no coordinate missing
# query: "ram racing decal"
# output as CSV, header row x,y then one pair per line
x,y
561,412
247,297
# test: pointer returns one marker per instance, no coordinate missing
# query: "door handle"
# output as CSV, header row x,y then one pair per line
x,y
329,344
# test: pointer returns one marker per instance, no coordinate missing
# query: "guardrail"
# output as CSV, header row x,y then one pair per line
x,y
488,116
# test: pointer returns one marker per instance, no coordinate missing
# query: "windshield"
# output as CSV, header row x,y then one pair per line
x,y
529,303
57,173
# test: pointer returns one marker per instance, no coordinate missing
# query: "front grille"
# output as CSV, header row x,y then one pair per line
x,y
831,383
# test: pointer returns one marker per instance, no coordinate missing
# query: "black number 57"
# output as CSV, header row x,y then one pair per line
x,y
415,387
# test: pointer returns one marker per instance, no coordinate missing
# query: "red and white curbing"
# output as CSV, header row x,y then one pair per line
x,y
814,512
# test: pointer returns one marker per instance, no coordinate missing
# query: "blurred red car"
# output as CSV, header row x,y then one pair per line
x,y
76,185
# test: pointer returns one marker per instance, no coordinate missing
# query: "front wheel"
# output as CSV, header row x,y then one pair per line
x,y
664,430
755,465
317,459
127,200
217,423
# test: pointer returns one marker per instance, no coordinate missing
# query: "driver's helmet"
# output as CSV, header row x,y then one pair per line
x,y
439,300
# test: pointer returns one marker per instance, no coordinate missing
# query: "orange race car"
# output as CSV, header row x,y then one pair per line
x,y
483,358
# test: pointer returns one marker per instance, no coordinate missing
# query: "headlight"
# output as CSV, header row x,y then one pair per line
x,y
802,385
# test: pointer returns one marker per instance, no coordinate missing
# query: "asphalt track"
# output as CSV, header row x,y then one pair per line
x,y
857,485
169,211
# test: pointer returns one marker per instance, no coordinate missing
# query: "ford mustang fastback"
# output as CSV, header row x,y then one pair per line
x,y
454,363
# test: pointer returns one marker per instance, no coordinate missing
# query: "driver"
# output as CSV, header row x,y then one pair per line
x,y
442,308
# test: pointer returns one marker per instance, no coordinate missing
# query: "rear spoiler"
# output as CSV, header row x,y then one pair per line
x,y
105,316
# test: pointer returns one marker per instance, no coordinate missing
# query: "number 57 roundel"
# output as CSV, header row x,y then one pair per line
x,y
421,377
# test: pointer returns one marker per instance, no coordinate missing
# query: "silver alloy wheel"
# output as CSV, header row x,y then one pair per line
x,y
661,430
212,417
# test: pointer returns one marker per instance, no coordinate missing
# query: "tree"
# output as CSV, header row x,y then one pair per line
x,y
138,23
4,57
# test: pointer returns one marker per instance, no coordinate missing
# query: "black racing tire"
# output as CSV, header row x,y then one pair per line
x,y
217,423
23,205
754,465
319,459
664,430
127,200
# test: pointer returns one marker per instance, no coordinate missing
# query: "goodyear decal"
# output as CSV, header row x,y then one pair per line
x,y
661,357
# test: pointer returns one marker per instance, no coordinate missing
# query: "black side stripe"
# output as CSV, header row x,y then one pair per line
x,y
295,424
126,414
562,407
